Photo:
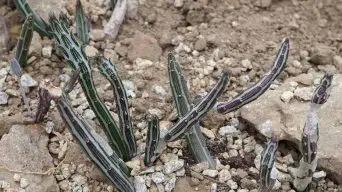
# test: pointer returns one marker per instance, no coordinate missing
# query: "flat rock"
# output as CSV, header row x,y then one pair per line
x,y
271,116
144,46
27,154
43,8
321,54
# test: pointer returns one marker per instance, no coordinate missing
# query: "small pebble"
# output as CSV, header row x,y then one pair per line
x,y
286,96
24,183
47,51
16,177
210,172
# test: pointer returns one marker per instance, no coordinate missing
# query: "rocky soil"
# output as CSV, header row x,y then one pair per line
x,y
207,36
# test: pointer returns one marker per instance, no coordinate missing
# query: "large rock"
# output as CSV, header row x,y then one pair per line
x,y
145,47
44,8
6,122
24,149
287,122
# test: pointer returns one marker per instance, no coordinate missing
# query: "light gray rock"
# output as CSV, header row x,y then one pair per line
x,y
224,175
170,184
43,8
47,51
228,130
90,51
139,184
271,116
286,96
338,62
173,166
304,93
319,175
158,177
27,81
129,87
210,172
159,90
3,98
232,184
178,3
208,133
97,35
27,154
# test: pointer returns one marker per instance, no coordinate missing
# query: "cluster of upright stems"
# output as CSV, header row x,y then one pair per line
x,y
308,163
110,157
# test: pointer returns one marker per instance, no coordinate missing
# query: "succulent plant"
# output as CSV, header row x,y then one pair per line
x,y
82,23
39,25
268,173
74,54
310,136
121,138
24,41
256,90
183,103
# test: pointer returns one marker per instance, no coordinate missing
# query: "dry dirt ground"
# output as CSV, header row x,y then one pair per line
x,y
228,31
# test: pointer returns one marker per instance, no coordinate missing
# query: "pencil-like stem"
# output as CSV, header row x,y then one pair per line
x,y
183,104
260,86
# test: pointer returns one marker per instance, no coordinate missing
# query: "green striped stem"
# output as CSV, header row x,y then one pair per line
x,y
198,111
183,105
260,86
268,173
24,41
111,166
39,25
75,56
64,18
310,135
108,70
82,28
152,140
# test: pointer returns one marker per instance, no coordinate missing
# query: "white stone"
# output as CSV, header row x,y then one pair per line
x,y
158,177
208,133
89,114
16,177
247,64
24,183
3,98
159,90
47,51
210,172
97,35
49,126
304,93
228,130
91,51
213,187
286,96
173,166
27,81
224,175
178,3
139,184
232,184
319,175
170,184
